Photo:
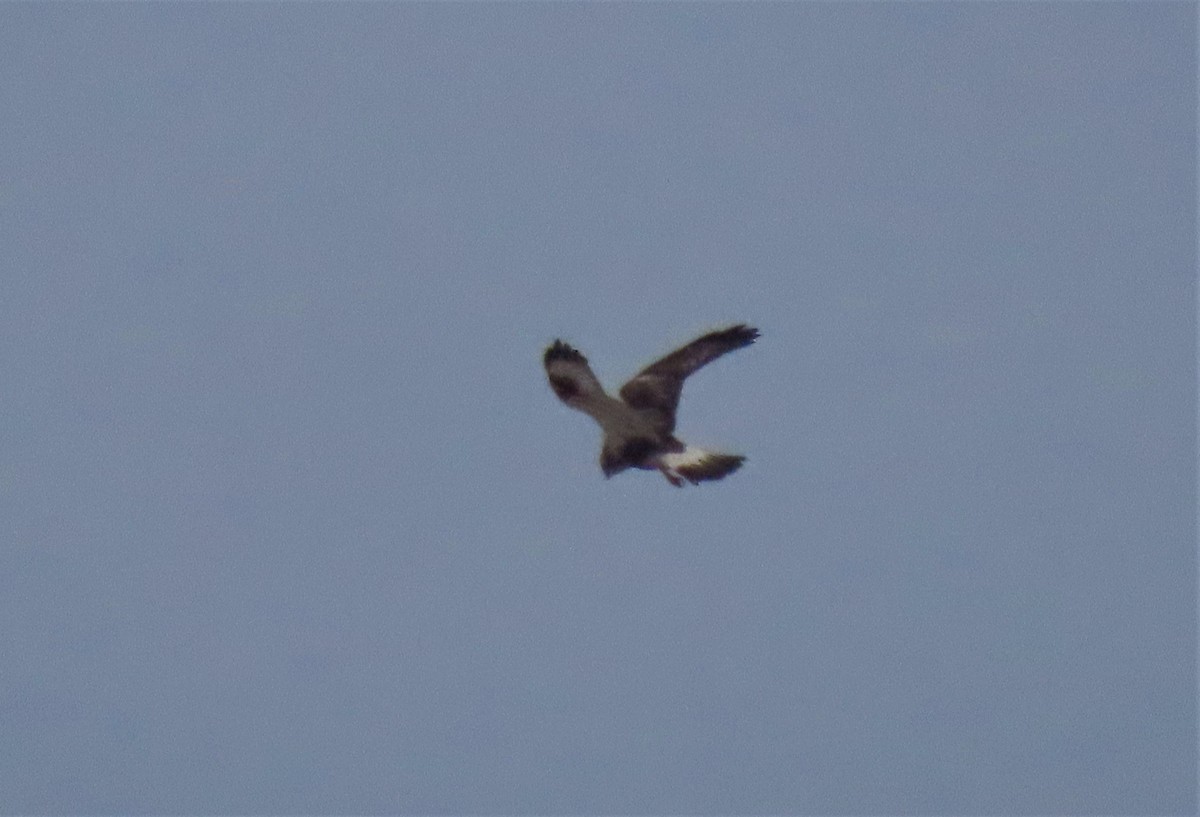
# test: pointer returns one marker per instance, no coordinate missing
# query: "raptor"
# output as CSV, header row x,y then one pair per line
x,y
639,424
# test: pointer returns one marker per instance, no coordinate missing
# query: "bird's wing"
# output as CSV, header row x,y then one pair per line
x,y
655,390
571,378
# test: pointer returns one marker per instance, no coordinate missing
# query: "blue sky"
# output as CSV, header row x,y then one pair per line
x,y
293,524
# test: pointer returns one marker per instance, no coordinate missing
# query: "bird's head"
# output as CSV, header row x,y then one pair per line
x,y
611,463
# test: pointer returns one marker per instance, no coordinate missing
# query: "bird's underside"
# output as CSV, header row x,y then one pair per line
x,y
638,425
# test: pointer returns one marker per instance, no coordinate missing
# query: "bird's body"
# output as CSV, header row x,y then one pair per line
x,y
639,427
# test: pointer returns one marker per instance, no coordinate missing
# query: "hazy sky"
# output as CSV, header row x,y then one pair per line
x,y
291,522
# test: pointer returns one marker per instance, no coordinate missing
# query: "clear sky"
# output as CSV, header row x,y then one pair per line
x,y
291,522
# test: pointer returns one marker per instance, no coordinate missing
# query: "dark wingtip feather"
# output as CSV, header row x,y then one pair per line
x,y
561,351
741,334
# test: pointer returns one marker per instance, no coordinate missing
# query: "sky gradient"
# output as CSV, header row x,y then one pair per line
x,y
292,523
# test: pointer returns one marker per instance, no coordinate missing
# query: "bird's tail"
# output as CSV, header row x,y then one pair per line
x,y
697,465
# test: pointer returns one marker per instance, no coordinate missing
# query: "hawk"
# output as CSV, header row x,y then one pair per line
x,y
638,427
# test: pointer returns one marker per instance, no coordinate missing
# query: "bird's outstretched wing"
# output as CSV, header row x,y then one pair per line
x,y
571,377
656,388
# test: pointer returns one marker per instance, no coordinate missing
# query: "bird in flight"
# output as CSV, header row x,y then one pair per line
x,y
638,428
